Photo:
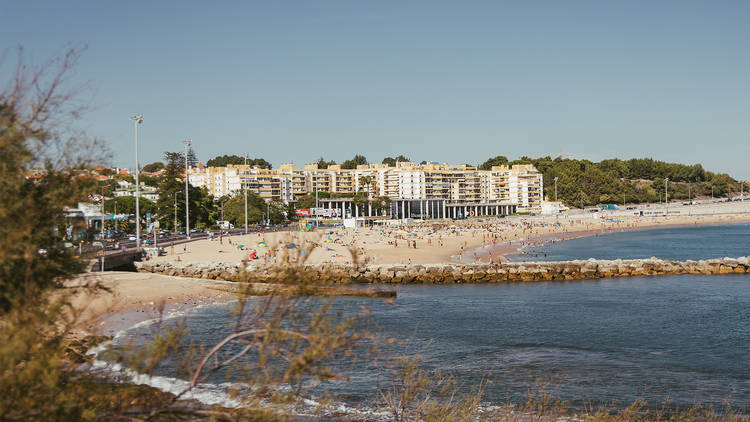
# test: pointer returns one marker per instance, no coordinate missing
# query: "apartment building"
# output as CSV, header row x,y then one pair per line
x,y
519,185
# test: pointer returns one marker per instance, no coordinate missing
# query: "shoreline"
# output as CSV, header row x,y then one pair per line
x,y
138,297
500,252
438,241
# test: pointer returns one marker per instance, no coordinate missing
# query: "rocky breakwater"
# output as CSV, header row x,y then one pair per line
x,y
453,273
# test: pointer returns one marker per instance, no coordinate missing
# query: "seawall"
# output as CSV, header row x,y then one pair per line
x,y
454,273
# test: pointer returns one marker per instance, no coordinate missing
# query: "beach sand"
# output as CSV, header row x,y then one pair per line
x,y
136,297
436,242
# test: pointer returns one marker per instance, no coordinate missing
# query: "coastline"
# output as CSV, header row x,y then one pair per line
x,y
135,298
431,242
500,252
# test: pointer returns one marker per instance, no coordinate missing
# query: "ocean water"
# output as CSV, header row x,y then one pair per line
x,y
611,341
672,243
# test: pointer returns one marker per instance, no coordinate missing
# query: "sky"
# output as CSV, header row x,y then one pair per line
x,y
454,82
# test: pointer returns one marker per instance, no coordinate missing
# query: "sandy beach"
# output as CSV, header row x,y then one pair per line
x,y
429,242
137,297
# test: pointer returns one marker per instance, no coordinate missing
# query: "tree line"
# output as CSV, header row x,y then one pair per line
x,y
584,182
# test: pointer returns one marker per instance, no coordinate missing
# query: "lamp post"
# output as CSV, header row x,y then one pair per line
x,y
187,143
666,195
101,236
244,185
555,188
137,119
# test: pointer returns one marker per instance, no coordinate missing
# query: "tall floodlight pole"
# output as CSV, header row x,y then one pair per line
x,y
666,195
555,188
137,119
187,195
244,185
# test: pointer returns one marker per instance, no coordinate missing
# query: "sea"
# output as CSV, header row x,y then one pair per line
x,y
681,340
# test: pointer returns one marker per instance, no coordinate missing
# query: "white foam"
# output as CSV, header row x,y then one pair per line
x,y
217,394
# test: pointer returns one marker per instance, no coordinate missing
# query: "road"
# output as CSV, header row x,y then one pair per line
x,y
180,239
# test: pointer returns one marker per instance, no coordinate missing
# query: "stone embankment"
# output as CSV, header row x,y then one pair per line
x,y
455,273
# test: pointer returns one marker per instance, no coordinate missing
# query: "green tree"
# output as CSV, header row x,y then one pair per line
x,y
191,157
323,164
149,180
234,209
126,205
367,183
391,162
354,162
172,188
153,167
278,211
225,160
499,160
381,204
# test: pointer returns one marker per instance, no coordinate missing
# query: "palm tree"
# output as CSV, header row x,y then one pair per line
x,y
366,181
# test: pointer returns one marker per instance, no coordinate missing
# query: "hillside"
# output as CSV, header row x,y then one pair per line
x,y
630,181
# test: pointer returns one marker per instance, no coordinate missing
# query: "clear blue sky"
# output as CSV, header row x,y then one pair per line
x,y
440,81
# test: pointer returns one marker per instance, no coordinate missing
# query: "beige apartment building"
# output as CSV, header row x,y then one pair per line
x,y
519,185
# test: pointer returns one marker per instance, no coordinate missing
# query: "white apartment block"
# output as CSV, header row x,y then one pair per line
x,y
519,185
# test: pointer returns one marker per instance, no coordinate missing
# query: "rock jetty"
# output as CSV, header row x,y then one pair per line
x,y
455,273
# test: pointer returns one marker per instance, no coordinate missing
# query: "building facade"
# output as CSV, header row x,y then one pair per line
x,y
520,185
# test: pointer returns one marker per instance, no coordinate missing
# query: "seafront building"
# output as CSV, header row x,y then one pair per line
x,y
415,190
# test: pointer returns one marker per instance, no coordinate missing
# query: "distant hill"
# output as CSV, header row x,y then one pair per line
x,y
617,181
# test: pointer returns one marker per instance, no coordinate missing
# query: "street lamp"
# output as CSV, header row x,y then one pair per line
x,y
244,185
555,188
175,213
187,143
666,195
137,119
